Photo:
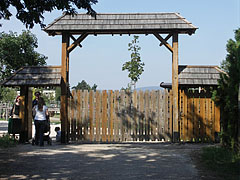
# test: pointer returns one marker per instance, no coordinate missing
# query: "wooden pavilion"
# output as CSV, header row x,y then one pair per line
x,y
83,25
26,77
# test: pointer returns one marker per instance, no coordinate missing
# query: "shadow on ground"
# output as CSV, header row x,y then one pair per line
x,y
139,161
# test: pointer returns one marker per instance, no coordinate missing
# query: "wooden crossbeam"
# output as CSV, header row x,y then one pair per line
x,y
74,39
163,41
166,39
76,42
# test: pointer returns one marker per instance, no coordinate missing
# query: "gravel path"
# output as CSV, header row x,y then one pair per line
x,y
128,161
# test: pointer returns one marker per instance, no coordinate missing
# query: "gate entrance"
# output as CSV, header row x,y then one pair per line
x,y
171,24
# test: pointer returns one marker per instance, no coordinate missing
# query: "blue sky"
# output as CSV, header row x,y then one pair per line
x,y
101,58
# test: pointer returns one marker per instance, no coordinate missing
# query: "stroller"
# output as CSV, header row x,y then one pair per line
x,y
46,135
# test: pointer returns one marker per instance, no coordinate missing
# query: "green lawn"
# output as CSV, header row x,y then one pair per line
x,y
221,161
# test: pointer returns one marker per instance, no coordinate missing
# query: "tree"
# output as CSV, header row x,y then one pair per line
x,y
134,66
7,94
85,86
226,94
31,12
17,51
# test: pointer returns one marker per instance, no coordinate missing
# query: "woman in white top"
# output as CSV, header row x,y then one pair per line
x,y
40,112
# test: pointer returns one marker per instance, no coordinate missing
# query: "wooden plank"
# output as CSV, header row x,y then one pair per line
x,y
135,117
98,108
146,116
104,116
175,87
64,89
141,111
91,111
208,130
185,111
167,115
217,119
162,111
190,118
122,115
72,117
116,117
170,123
202,117
181,114
85,115
212,120
79,115
111,115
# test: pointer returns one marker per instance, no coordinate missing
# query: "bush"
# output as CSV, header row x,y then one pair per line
x,y
222,161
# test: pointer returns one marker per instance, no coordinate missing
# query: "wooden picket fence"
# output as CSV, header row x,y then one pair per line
x,y
117,116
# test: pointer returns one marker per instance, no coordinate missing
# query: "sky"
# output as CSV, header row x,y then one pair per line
x,y
100,59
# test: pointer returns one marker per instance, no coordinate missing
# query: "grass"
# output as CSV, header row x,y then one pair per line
x,y
222,161
7,141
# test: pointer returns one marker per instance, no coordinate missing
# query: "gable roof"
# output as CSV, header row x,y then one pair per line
x,y
193,76
124,23
34,76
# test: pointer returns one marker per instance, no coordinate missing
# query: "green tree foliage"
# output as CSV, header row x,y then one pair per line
x,y
134,66
226,94
17,51
85,86
31,12
7,94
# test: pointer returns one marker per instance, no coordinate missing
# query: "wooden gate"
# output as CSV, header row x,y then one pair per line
x,y
117,116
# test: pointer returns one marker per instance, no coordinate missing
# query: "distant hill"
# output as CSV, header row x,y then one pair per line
x,y
149,88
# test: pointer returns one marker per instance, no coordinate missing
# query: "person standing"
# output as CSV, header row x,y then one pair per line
x,y
15,109
40,112
37,96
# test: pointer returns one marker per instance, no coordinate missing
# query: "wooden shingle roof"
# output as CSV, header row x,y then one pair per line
x,y
194,76
124,23
35,76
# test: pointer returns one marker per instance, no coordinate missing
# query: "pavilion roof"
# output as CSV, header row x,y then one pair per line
x,y
123,23
34,76
194,76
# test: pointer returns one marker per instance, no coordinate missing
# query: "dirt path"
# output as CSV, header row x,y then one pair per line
x,y
128,161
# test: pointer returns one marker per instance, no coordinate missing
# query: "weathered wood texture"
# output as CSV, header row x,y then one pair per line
x,y
35,76
127,23
199,118
198,75
113,116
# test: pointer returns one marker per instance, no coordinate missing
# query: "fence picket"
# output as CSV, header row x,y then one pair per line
x,y
113,116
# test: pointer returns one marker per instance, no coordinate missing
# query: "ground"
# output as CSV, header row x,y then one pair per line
x,y
128,161
139,161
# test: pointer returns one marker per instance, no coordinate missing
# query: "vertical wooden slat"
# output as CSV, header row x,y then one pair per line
x,y
91,108
212,120
146,115
98,116
104,116
185,116
217,119
111,115
141,111
72,118
202,117
190,118
122,115
208,130
79,114
135,117
86,118
116,117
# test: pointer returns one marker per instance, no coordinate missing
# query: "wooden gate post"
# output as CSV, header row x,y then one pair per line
x,y
64,89
25,115
175,135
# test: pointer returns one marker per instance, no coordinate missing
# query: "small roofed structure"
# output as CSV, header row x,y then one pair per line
x,y
196,76
35,76
26,77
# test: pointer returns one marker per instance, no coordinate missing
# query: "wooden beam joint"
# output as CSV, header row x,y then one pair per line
x,y
164,41
76,42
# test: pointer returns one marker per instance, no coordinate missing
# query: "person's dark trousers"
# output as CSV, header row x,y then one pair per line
x,y
39,128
